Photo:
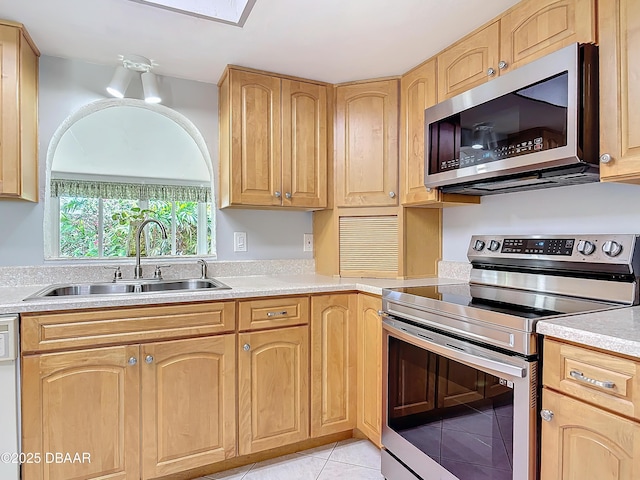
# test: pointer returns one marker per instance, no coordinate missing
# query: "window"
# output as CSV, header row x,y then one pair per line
x,y
112,164
91,225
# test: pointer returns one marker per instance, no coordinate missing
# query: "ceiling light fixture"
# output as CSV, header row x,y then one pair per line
x,y
132,64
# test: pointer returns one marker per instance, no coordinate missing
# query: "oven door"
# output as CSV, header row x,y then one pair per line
x,y
453,409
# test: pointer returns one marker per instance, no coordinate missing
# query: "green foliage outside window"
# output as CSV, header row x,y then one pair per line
x,y
79,227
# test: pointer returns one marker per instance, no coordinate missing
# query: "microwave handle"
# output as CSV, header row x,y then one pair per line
x,y
453,353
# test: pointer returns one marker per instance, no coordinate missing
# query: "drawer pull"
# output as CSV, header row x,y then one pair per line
x,y
598,383
276,314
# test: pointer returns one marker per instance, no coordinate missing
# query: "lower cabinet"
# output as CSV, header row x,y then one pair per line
x,y
590,414
273,388
188,404
583,441
174,398
369,347
333,363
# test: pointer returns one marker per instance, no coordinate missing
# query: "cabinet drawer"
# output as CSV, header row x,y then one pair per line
x,y
607,381
64,330
273,312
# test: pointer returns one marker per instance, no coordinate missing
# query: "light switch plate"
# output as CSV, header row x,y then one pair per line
x,y
239,241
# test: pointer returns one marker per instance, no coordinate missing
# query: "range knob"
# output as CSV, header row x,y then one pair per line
x,y
585,247
611,248
494,245
478,246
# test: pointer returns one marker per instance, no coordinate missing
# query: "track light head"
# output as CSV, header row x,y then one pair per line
x,y
132,64
150,87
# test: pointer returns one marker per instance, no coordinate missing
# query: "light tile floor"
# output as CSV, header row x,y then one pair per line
x,y
351,459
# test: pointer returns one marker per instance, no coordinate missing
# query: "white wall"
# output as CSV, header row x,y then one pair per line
x,y
591,208
65,86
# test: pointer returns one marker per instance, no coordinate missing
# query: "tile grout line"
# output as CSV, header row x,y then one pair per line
x,y
327,460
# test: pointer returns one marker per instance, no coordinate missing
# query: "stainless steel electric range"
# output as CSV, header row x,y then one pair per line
x,y
461,362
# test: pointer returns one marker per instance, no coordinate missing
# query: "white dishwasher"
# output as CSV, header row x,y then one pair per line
x,y
9,399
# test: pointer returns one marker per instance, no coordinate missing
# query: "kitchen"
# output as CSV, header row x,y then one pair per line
x,y
594,208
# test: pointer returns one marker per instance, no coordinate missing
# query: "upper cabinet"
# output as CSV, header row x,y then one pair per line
x,y
469,62
535,28
619,31
418,92
528,31
18,113
366,144
273,141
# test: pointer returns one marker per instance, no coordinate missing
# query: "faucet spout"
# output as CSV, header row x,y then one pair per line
x,y
137,272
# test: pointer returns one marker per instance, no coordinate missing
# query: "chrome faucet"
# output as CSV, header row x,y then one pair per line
x,y
137,272
203,265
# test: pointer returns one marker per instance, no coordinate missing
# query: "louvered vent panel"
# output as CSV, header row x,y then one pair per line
x,y
369,246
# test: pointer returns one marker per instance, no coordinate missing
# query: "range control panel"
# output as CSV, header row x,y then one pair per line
x,y
596,248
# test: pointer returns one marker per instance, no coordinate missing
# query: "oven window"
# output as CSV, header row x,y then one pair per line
x,y
528,120
460,416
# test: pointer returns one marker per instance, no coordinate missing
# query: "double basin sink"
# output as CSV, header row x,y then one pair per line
x,y
129,287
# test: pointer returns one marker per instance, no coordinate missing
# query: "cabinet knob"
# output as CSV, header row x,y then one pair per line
x,y
287,195
148,359
392,194
246,347
278,194
491,72
605,158
132,361
502,65
547,415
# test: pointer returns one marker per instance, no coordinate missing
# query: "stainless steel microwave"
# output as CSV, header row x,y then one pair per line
x,y
534,127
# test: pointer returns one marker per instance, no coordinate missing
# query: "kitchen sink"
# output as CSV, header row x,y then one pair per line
x,y
124,287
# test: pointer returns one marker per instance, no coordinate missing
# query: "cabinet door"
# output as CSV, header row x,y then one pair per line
x,y
582,441
188,404
333,363
82,402
304,144
466,63
417,92
19,116
538,27
255,170
369,419
273,388
366,137
619,31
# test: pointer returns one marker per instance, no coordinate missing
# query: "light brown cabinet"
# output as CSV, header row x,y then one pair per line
x,y
528,31
369,334
19,112
418,92
139,410
333,363
84,401
366,144
176,399
583,441
619,32
273,141
273,312
273,388
591,414
188,404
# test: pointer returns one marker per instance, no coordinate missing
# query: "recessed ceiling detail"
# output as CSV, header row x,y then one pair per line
x,y
233,12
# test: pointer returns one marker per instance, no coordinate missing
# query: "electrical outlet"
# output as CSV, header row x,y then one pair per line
x,y
308,242
239,241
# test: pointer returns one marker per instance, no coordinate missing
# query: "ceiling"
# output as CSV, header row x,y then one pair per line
x,y
329,40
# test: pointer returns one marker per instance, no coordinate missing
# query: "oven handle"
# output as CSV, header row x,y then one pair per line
x,y
454,353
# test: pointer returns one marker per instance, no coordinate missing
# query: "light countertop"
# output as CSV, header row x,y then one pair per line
x,y
615,330
11,298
